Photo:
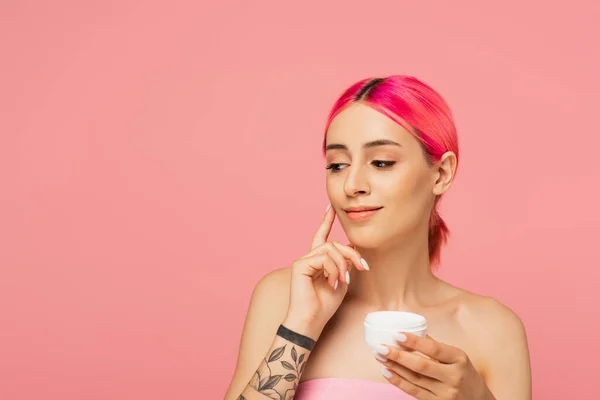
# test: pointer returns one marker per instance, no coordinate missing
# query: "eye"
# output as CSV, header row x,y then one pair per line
x,y
333,167
385,163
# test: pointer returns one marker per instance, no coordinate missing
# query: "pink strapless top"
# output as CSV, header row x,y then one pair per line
x,y
348,389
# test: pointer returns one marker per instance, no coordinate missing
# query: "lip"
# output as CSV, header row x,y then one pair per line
x,y
361,208
361,213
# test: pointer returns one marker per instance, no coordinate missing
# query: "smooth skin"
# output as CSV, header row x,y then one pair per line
x,y
311,291
476,347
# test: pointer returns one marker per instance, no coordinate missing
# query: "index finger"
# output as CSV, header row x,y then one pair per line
x,y
429,347
324,229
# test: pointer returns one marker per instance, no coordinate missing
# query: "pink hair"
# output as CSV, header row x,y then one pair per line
x,y
420,110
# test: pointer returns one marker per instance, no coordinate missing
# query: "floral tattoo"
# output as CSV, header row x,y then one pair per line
x,y
282,386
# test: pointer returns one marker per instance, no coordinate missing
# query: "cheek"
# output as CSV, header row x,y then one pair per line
x,y
410,198
331,188
335,190
409,187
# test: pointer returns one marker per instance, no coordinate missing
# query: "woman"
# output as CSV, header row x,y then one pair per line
x,y
391,151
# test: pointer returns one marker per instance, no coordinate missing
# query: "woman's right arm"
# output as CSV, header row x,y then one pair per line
x,y
302,299
268,365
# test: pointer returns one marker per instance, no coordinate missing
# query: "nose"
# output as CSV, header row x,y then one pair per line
x,y
356,182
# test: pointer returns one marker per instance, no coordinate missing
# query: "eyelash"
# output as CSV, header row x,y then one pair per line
x,y
387,164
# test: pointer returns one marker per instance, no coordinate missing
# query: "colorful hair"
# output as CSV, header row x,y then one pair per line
x,y
420,110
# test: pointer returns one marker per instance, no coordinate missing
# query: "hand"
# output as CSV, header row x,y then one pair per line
x,y
439,372
319,280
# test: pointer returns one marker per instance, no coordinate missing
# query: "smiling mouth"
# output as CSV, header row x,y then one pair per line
x,y
362,215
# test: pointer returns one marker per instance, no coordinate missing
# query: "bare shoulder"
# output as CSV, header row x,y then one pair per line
x,y
488,315
276,282
267,309
499,335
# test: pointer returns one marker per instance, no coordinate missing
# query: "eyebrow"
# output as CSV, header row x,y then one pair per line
x,y
368,145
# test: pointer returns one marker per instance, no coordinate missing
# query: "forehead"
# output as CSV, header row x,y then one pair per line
x,y
359,123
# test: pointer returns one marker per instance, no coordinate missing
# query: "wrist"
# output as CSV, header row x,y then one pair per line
x,y
303,326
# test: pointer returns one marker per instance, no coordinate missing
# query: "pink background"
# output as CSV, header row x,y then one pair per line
x,y
156,159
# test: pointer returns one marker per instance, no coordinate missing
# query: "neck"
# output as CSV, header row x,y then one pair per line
x,y
399,277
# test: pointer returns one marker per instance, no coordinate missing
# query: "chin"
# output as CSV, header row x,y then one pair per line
x,y
365,240
377,237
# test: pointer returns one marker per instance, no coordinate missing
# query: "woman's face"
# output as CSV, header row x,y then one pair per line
x,y
363,173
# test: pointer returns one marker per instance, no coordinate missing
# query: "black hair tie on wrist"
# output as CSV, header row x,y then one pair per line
x,y
296,338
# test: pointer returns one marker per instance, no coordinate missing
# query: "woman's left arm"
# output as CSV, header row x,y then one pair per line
x,y
447,372
508,370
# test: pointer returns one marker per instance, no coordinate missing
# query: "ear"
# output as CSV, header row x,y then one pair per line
x,y
445,168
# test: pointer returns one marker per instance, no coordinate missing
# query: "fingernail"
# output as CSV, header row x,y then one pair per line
x,y
382,350
335,285
386,372
347,277
401,337
328,207
364,263
379,357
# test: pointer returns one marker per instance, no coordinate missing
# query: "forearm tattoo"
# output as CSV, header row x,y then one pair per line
x,y
279,373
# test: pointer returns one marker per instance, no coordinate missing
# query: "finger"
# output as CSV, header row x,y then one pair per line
x,y
317,264
327,275
415,362
352,255
324,229
406,386
426,382
341,262
330,268
431,348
